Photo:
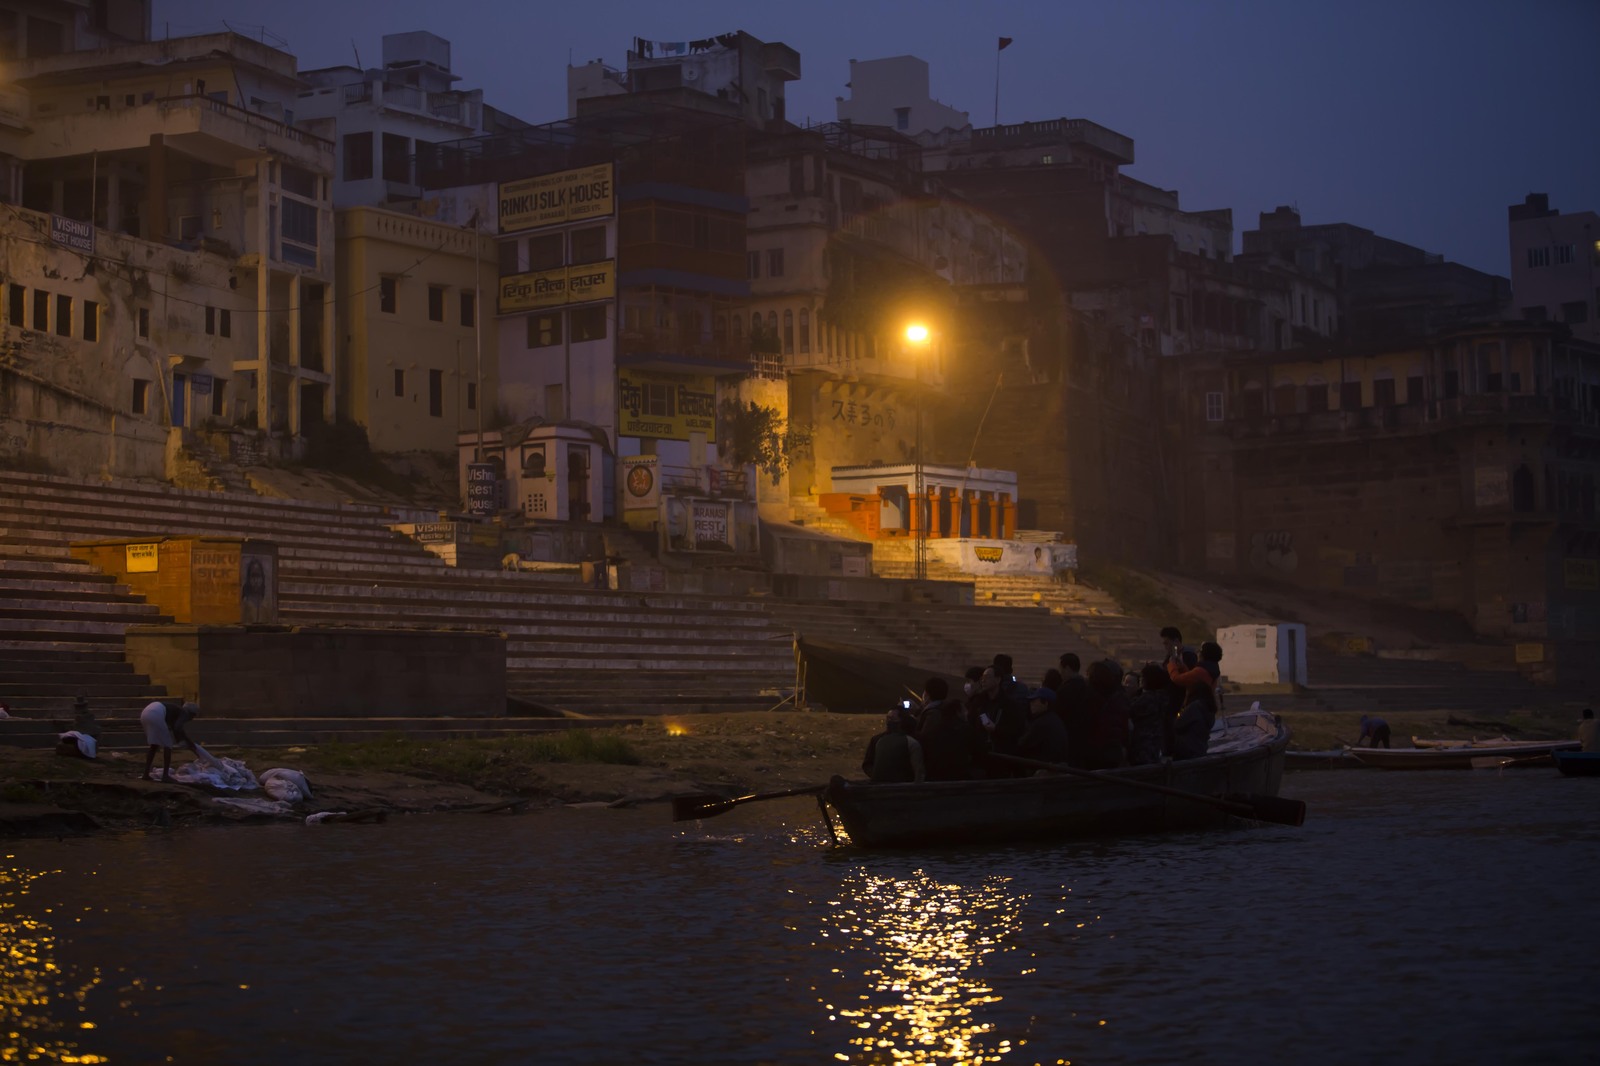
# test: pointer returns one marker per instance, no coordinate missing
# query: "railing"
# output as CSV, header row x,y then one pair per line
x,y
248,117
697,344
705,481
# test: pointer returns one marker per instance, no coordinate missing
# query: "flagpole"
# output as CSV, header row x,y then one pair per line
x,y
997,52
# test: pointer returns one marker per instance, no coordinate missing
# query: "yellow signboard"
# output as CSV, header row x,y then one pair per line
x,y
1529,653
1581,574
666,406
551,199
142,558
553,288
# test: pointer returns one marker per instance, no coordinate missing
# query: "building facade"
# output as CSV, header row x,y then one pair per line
x,y
1555,265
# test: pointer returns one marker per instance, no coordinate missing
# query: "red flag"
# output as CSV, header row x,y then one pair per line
x,y
1004,41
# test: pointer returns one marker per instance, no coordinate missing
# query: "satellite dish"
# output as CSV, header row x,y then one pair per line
x,y
691,74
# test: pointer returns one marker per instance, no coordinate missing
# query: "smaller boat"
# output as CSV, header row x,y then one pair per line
x,y
1578,763
1461,758
1512,762
1498,742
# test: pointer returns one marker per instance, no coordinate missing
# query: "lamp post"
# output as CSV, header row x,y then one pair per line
x,y
917,337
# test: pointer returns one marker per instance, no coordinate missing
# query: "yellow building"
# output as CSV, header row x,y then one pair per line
x,y
410,369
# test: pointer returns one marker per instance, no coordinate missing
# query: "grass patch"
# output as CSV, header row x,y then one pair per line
x,y
1138,595
502,764
21,793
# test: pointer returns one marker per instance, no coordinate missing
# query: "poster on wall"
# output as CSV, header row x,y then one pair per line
x,y
666,406
641,487
258,599
1007,556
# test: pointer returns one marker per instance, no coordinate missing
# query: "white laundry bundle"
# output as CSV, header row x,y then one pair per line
x,y
87,745
287,785
208,769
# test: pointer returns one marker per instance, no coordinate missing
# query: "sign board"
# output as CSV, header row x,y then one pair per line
x,y
143,558
1529,653
553,199
1581,574
200,384
666,406
641,484
70,233
555,288
710,521
1490,487
1005,556
482,488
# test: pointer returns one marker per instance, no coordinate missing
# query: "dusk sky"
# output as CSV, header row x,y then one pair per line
x,y
1419,119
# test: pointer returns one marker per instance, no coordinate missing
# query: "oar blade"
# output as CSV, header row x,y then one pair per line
x,y
1270,808
698,805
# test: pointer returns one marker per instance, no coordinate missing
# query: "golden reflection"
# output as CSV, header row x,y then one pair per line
x,y
30,981
676,729
924,949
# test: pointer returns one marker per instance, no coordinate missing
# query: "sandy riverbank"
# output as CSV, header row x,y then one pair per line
x,y
47,794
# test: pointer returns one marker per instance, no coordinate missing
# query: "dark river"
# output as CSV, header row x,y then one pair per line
x,y
1432,917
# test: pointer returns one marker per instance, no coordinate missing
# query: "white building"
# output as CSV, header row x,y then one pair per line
x,y
1555,265
894,92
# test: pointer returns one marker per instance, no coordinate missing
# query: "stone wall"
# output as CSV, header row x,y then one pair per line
x,y
325,672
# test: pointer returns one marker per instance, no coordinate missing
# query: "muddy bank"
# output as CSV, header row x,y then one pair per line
x,y
49,795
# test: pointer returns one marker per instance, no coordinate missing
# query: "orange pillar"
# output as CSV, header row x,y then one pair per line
x,y
972,512
935,518
994,514
1009,506
913,513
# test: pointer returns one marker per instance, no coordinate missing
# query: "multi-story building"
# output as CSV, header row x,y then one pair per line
x,y
169,246
894,93
731,74
1455,472
1555,265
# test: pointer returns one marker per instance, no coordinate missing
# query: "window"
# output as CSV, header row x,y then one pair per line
x,y
1575,311
1303,316
141,397
1452,384
144,322
1538,257
1383,394
399,382
544,330
357,156
775,262
1563,254
299,223
436,393
396,159
211,321
469,308
1213,407
805,329
545,253
225,322
588,245
1414,389
754,259
788,332
435,303
589,323
41,310
472,395
298,181
64,316
219,405
658,400
91,320
388,291
1349,395
1316,396
902,118
508,257
1178,314
16,305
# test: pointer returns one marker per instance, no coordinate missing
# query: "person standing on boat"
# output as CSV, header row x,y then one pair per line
x,y
1103,743
1009,702
1375,729
1589,731
1046,736
894,755
1148,716
1174,651
945,737
1198,681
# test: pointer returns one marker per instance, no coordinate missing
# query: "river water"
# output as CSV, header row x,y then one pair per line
x,y
1416,917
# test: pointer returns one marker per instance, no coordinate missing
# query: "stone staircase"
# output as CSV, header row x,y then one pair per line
x,y
589,651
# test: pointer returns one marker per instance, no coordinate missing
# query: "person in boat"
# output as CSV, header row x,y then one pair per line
x,y
1072,705
1173,651
1374,732
1148,716
946,737
1197,678
165,723
1046,737
1104,740
1008,716
975,704
1589,730
894,755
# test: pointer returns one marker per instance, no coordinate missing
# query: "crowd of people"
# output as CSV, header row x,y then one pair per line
x,y
1093,718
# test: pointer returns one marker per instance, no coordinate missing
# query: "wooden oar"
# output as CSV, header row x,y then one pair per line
x,y
705,804
1257,808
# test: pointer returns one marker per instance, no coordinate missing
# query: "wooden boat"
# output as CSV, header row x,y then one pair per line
x,y
1454,758
1512,762
1443,742
1578,763
1245,756
1326,759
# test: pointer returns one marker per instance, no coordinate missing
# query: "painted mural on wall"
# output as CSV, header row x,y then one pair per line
x,y
258,599
1274,551
1004,556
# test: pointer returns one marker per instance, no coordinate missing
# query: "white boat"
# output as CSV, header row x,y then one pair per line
x,y
1462,758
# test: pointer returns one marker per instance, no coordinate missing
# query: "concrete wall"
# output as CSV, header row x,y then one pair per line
x,y
311,672
196,580
1268,654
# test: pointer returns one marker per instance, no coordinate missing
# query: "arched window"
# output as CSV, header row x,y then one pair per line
x,y
805,329
1522,489
738,327
788,332
755,325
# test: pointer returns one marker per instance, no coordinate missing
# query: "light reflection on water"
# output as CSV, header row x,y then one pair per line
x,y
1415,917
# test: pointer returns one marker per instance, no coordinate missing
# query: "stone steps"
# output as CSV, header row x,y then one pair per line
x,y
217,735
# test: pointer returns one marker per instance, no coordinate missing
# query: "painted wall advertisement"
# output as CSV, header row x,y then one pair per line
x,y
554,288
1004,556
666,406
552,199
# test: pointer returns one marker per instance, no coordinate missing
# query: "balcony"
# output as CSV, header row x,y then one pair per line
x,y
211,130
669,349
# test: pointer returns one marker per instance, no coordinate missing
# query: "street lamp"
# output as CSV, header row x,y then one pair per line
x,y
917,336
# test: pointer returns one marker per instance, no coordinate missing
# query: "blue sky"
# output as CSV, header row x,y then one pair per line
x,y
1420,119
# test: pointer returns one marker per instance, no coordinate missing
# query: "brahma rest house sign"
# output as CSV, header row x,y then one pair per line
x,y
554,199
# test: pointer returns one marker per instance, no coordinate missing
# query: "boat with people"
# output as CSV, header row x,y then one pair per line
x,y
1465,757
1577,763
1238,777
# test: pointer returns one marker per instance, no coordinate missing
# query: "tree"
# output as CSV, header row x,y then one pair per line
x,y
752,434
